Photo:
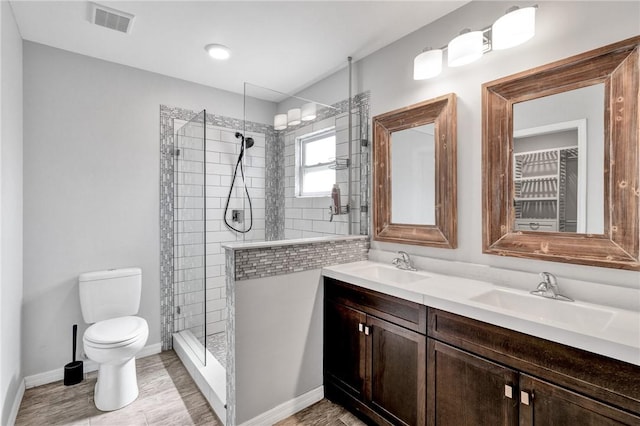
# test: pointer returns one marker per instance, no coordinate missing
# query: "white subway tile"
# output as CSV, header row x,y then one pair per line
x,y
310,213
324,227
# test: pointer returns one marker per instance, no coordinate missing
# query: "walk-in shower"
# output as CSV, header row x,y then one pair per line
x,y
228,180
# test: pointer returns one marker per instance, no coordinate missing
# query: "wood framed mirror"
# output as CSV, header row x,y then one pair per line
x,y
414,174
614,241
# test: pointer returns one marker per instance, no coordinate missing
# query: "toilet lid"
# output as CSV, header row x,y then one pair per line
x,y
116,330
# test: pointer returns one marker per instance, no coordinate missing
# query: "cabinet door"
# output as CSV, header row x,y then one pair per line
x,y
465,390
344,347
396,372
550,405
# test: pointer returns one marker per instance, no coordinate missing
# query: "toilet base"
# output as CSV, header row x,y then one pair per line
x,y
117,386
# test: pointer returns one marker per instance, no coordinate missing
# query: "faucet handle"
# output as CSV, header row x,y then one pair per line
x,y
405,256
549,279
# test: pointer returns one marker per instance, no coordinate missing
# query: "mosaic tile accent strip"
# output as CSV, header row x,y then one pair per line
x,y
231,336
274,188
362,102
166,228
286,259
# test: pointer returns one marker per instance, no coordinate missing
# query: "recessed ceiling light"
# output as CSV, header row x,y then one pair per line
x,y
218,51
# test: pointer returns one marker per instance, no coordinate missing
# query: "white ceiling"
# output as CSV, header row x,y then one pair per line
x,y
285,46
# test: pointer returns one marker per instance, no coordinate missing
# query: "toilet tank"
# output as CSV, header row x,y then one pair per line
x,y
110,294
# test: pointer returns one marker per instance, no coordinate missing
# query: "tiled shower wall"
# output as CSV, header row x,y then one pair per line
x,y
186,214
209,171
310,216
195,214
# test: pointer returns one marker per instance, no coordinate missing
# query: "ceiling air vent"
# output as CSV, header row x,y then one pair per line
x,y
110,18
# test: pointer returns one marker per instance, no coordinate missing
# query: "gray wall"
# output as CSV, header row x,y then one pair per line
x,y
10,211
91,186
562,29
278,329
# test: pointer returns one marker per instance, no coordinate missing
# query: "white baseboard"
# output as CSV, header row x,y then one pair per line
x,y
16,404
287,409
88,366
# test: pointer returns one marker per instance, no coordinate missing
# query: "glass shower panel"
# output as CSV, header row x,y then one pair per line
x,y
190,267
295,208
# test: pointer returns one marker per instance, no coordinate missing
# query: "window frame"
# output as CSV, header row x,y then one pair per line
x,y
300,167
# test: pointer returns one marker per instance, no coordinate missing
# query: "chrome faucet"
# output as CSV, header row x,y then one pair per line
x,y
403,262
548,288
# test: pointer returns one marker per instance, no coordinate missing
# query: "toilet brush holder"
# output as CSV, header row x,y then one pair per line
x,y
74,370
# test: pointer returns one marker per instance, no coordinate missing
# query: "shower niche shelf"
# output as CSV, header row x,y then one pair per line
x,y
340,164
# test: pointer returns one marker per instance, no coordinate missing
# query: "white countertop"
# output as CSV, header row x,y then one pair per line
x,y
241,245
617,335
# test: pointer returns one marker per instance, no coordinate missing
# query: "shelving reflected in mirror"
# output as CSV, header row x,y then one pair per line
x,y
558,152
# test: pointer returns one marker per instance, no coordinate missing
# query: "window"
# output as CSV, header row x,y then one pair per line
x,y
316,152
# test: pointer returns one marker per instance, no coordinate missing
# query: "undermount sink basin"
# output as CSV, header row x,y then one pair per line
x,y
388,274
548,310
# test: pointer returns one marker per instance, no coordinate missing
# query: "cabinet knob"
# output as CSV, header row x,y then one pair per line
x,y
525,397
360,327
366,330
508,391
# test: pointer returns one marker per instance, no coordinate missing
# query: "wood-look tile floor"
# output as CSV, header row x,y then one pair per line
x,y
168,396
323,413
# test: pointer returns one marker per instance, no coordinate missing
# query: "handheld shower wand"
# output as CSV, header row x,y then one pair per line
x,y
245,143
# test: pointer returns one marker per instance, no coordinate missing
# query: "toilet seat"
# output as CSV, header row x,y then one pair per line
x,y
116,332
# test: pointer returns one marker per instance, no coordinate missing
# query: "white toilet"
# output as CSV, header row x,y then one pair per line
x,y
109,300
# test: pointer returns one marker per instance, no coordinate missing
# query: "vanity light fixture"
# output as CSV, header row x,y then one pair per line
x,y
466,48
293,117
515,27
280,122
309,111
218,51
427,64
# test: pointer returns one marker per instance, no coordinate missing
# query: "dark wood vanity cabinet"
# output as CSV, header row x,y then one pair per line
x,y
468,390
480,374
380,364
375,354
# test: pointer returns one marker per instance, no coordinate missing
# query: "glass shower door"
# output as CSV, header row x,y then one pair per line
x,y
189,228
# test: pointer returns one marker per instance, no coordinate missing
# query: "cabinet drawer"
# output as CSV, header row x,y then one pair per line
x,y
605,379
536,225
404,313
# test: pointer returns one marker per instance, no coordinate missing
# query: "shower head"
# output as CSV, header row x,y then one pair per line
x,y
248,142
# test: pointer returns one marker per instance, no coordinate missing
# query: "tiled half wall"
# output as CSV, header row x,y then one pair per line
x,y
244,262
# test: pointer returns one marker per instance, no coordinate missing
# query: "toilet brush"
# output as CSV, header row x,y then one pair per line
x,y
73,371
